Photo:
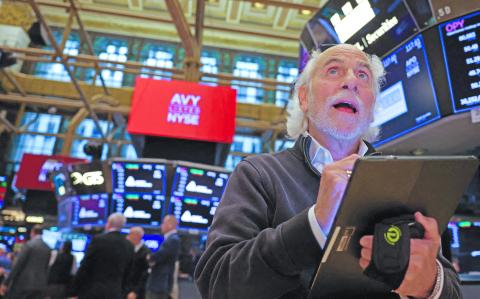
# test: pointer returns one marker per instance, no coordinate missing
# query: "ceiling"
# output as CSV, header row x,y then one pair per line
x,y
264,26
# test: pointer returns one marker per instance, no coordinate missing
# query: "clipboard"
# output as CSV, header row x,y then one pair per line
x,y
380,187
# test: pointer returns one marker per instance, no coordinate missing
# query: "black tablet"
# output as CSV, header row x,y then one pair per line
x,y
381,187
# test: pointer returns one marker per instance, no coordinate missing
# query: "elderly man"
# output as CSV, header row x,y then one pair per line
x,y
268,234
104,270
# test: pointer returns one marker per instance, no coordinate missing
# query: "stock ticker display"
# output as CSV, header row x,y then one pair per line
x,y
3,190
466,245
139,192
407,99
196,194
460,43
89,209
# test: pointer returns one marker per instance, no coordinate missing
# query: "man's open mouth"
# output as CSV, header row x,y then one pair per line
x,y
345,107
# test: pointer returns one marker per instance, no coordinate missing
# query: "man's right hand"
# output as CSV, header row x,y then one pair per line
x,y
332,186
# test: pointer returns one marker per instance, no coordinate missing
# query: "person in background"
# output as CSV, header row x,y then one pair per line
x,y
62,270
28,278
269,231
139,273
161,279
107,263
5,262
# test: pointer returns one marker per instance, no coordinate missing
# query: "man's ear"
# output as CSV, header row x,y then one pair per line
x,y
303,98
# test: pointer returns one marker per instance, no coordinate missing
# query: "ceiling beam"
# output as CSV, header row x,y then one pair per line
x,y
183,28
199,19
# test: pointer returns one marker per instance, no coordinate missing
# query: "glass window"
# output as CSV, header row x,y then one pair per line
x,y
246,144
56,71
160,56
210,62
283,144
112,49
249,67
232,161
32,143
287,72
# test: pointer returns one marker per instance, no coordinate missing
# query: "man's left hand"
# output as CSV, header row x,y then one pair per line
x,y
421,273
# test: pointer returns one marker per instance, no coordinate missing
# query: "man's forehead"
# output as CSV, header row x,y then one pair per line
x,y
341,54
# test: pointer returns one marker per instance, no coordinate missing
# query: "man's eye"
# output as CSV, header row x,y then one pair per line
x,y
363,76
332,71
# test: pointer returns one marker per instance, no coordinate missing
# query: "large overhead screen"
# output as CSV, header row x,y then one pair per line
x,y
376,26
139,191
196,194
407,99
460,43
89,209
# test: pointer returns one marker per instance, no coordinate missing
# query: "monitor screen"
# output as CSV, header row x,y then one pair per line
x,y
135,177
196,193
407,99
139,208
3,190
153,242
448,9
372,25
89,178
465,246
89,209
460,46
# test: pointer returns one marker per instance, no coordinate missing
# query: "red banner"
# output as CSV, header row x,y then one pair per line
x,y
34,170
183,110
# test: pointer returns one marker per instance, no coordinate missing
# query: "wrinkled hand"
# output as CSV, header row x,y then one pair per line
x,y
421,273
132,295
332,186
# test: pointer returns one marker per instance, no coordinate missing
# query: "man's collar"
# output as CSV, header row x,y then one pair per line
x,y
138,246
169,234
320,156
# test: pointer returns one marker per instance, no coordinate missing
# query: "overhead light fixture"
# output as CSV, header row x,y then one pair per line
x,y
258,5
305,12
7,59
38,35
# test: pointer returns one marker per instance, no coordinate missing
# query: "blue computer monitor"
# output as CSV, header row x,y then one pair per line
x,y
196,193
89,209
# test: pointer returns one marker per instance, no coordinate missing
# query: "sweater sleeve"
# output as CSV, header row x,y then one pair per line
x,y
245,256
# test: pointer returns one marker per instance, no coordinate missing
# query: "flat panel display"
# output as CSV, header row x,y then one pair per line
x,y
375,26
3,190
89,178
196,194
448,9
153,242
466,246
407,100
89,209
183,110
135,177
139,208
460,44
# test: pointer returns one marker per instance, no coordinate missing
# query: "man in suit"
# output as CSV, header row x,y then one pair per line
x,y
269,232
107,263
160,281
139,274
28,278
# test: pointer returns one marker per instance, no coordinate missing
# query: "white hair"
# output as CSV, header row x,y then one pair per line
x,y
116,220
297,119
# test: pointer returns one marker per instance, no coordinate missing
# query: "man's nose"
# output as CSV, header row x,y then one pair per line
x,y
350,81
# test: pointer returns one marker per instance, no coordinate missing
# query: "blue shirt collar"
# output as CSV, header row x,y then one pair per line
x,y
320,156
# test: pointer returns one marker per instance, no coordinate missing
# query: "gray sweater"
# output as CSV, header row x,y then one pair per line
x,y
260,244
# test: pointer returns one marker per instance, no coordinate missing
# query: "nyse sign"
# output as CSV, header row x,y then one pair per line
x,y
92,178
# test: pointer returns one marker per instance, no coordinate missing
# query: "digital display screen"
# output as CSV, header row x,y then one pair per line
x,y
8,241
375,26
153,242
64,212
460,43
133,177
183,110
448,9
465,246
407,99
3,190
88,178
139,208
196,194
89,209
